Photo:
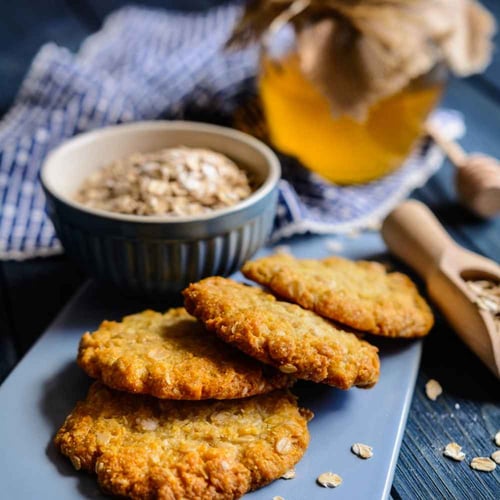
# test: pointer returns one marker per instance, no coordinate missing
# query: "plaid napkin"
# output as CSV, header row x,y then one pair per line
x,y
150,64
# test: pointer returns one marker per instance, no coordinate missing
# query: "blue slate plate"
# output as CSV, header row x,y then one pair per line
x,y
44,387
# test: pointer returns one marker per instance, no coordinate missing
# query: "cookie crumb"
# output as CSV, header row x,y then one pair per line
x,y
362,450
433,389
329,480
289,474
495,456
483,464
454,451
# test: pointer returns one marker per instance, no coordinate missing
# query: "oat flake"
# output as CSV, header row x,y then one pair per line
x,y
454,451
483,464
334,246
289,474
487,298
433,389
497,438
289,368
329,480
362,450
495,456
75,460
148,424
283,446
282,249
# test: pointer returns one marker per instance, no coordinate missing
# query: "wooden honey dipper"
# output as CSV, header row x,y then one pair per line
x,y
477,178
414,235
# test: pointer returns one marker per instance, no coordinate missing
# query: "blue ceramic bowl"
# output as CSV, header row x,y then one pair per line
x,y
159,254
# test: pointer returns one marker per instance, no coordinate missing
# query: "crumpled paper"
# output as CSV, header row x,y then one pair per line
x,y
360,51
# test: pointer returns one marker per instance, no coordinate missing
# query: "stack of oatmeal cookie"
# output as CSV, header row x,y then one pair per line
x,y
194,403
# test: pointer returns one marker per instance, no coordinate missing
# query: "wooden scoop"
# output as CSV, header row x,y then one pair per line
x,y
413,234
477,177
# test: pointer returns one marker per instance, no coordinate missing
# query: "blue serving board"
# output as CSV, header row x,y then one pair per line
x,y
46,384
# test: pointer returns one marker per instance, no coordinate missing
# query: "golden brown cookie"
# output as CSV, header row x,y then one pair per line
x,y
172,356
141,447
284,335
362,294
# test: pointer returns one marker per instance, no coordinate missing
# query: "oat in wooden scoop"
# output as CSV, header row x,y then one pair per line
x,y
487,298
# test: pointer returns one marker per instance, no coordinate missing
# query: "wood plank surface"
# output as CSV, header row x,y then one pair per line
x,y
24,26
8,354
31,293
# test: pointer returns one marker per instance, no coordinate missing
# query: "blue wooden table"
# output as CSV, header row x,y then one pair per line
x,y
32,292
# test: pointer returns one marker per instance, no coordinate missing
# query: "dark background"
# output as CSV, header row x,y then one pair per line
x,y
32,292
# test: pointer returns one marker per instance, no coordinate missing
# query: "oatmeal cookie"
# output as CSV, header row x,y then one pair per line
x,y
141,447
284,335
362,294
172,356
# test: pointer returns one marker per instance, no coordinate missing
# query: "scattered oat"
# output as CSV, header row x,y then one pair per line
x,y
457,406
282,249
454,451
374,225
175,181
497,438
277,497
433,389
329,480
495,456
334,246
484,464
289,474
354,233
362,450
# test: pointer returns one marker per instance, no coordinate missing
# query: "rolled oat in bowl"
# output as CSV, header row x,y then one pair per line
x,y
177,181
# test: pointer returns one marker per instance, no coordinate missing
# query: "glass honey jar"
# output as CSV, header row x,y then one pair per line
x,y
347,86
343,149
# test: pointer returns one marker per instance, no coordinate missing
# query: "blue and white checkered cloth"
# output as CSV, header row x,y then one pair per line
x,y
149,64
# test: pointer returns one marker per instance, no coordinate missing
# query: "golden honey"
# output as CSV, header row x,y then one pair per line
x,y
342,150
